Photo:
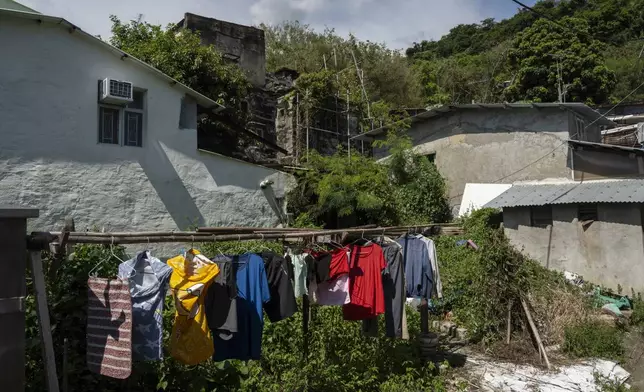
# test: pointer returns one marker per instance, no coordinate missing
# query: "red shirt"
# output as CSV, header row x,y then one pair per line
x,y
332,265
365,283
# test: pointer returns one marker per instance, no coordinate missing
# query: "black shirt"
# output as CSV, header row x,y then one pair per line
x,y
282,303
221,297
322,267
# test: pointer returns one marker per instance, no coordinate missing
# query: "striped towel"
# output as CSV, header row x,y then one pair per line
x,y
109,327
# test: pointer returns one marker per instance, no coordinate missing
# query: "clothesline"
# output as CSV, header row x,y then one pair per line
x,y
205,236
324,276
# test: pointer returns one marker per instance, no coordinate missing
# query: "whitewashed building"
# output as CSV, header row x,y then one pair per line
x,y
75,141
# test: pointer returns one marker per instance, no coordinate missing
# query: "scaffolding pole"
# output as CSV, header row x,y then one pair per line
x,y
348,127
297,126
307,125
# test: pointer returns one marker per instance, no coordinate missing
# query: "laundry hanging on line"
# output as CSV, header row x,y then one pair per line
x,y
220,302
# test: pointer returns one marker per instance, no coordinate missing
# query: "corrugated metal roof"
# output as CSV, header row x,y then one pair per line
x,y
617,191
576,107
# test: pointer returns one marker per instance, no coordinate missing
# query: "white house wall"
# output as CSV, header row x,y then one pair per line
x,y
609,252
50,158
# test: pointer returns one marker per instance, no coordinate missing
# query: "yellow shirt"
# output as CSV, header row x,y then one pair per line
x,y
191,342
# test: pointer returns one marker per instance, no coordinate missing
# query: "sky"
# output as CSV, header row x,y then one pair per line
x,y
398,23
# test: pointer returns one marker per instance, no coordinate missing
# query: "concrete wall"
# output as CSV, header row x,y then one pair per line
x,y
590,164
50,158
483,146
609,252
245,43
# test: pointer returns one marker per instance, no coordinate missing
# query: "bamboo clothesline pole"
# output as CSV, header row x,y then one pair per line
x,y
215,234
196,236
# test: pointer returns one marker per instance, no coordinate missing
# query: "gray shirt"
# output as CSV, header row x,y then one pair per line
x,y
148,279
393,279
431,249
418,268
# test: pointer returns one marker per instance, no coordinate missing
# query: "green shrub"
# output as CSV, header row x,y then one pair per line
x,y
594,340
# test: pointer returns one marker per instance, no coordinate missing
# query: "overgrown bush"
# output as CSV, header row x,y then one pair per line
x,y
336,187
480,284
594,339
340,357
347,191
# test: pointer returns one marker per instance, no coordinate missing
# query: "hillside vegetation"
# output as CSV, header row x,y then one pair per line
x,y
591,48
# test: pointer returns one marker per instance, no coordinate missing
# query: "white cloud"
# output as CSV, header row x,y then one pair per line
x,y
393,21
396,22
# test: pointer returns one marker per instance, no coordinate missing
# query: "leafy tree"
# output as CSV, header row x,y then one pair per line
x,y
180,55
465,78
455,69
538,50
628,68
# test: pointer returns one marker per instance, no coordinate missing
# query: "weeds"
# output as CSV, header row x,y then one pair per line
x,y
594,339
605,384
637,317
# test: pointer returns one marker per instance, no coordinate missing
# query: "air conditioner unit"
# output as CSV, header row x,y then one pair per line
x,y
116,92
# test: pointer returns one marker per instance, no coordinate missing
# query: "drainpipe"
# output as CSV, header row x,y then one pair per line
x,y
269,193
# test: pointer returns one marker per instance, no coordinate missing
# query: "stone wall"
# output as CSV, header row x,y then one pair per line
x,y
609,252
243,45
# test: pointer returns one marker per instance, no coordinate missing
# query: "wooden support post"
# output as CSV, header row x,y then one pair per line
x,y
62,249
537,337
13,242
305,326
42,309
424,316
65,366
509,327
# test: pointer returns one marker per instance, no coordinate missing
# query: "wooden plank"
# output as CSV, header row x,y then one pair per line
x,y
43,320
537,337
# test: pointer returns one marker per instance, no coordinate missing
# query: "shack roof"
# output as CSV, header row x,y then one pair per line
x,y
602,191
579,108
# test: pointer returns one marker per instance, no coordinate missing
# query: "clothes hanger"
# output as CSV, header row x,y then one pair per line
x,y
262,245
362,238
93,272
214,239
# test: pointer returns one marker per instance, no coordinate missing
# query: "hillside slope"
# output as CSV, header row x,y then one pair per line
x,y
591,48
